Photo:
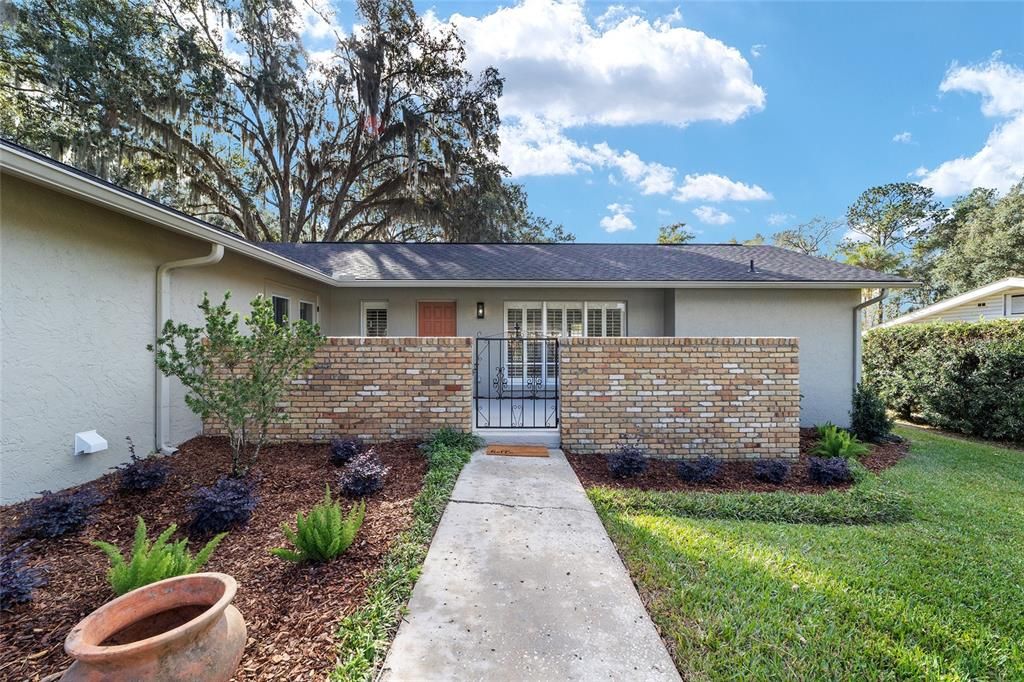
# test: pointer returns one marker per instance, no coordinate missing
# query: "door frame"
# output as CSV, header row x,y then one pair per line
x,y
452,301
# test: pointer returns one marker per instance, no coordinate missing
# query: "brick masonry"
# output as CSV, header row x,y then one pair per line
x,y
730,398
379,389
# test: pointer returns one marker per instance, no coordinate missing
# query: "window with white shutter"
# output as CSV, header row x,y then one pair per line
x,y
375,318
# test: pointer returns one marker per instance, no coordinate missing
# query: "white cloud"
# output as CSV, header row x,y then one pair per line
x,y
777,219
904,138
618,220
533,146
1000,163
625,70
712,187
757,50
712,216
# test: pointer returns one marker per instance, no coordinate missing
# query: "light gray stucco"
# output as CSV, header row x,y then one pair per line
x,y
77,301
644,307
821,318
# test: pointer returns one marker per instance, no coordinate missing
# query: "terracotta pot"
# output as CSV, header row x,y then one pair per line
x,y
182,628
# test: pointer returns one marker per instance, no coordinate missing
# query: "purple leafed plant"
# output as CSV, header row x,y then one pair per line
x,y
364,475
628,461
54,514
226,504
829,470
701,470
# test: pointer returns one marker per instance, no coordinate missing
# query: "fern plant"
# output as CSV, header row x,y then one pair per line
x,y
324,534
151,563
837,442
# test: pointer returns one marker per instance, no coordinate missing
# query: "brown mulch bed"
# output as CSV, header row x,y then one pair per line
x,y
592,470
290,610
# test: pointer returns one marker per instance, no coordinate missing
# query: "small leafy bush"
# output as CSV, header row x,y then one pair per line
x,y
771,470
701,470
837,442
628,461
226,504
344,450
54,514
16,579
142,474
829,470
364,475
152,563
868,418
454,439
324,534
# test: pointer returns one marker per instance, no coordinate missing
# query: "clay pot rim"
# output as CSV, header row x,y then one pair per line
x,y
80,650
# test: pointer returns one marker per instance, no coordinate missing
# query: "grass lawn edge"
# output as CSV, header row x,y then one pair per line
x,y
365,635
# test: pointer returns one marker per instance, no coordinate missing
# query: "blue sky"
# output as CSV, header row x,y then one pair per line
x,y
745,117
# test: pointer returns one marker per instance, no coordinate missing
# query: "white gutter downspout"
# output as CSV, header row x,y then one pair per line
x,y
163,304
857,339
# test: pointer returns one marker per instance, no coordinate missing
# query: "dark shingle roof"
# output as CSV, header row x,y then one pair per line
x,y
354,262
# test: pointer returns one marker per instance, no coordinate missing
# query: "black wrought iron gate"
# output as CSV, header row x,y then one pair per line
x,y
516,383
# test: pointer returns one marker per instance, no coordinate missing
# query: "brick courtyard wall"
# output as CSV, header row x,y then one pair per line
x,y
379,389
729,398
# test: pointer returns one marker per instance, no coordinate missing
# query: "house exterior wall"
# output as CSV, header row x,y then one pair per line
x,y
77,300
379,389
645,308
728,398
994,307
822,320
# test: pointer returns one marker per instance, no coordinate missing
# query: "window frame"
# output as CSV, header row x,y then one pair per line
x,y
565,306
312,305
274,298
1009,305
366,306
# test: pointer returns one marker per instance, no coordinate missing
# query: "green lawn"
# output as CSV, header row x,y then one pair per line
x,y
940,596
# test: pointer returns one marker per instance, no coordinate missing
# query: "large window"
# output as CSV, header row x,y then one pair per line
x,y
1016,306
375,318
552,319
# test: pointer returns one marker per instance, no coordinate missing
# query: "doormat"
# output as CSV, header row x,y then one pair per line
x,y
518,450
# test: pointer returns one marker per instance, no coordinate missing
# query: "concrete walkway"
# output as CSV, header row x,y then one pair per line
x,y
522,583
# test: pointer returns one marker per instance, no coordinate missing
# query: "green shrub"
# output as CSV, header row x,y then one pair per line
x,y
151,563
868,418
324,534
837,442
968,377
448,437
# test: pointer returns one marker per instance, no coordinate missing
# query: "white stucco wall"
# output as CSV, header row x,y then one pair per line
x,y
77,305
821,319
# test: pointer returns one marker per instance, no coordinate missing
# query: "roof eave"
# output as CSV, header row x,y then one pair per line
x,y
633,284
64,180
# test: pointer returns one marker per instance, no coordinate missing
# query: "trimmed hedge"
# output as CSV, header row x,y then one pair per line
x,y
865,504
966,377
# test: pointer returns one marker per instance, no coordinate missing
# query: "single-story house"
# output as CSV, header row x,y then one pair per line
x,y
1000,300
485,336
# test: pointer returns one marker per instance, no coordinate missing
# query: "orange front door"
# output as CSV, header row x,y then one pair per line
x,y
437,319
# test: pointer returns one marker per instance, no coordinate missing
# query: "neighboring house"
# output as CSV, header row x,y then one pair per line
x,y
1003,299
89,271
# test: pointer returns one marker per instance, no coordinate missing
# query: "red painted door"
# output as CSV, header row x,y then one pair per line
x,y
437,319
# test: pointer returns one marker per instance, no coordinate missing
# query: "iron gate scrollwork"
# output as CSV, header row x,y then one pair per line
x,y
516,382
